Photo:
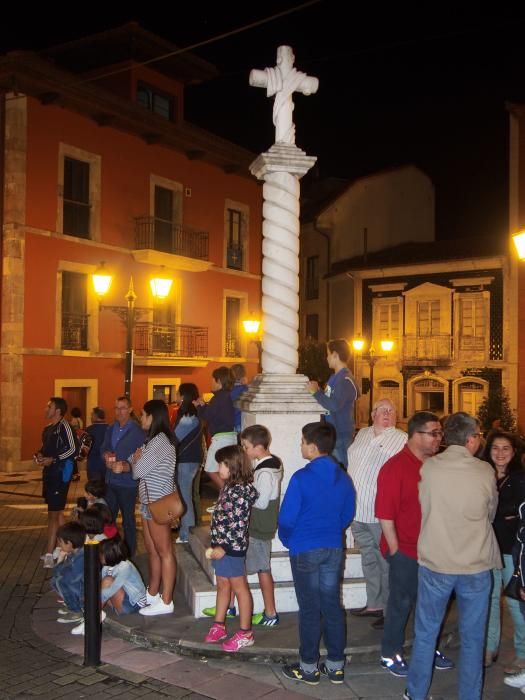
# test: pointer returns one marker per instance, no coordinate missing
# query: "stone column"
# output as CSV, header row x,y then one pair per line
x,y
13,268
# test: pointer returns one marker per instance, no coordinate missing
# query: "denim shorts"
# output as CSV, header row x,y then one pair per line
x,y
229,567
258,556
145,511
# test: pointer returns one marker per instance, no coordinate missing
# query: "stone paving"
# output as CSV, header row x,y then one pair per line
x,y
40,659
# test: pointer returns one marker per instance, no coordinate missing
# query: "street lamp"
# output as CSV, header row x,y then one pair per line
x,y
251,327
371,358
160,288
519,241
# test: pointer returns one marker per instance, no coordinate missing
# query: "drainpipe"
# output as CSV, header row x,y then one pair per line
x,y
328,265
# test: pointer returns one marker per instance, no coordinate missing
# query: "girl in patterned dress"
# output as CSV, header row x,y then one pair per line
x,y
229,542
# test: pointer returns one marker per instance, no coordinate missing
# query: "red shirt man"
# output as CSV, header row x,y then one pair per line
x,y
398,509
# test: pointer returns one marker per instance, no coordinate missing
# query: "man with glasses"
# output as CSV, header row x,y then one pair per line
x,y
457,549
399,513
372,447
122,438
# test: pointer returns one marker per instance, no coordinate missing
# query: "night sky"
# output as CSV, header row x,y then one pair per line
x,y
397,86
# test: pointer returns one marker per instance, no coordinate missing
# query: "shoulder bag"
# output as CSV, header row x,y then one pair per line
x,y
167,508
513,587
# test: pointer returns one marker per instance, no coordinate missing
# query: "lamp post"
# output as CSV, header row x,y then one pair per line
x,y
251,327
371,358
160,288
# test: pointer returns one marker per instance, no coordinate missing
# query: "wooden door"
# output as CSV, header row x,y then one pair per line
x,y
76,396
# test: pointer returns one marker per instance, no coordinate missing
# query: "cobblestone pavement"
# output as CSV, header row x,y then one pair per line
x,y
50,664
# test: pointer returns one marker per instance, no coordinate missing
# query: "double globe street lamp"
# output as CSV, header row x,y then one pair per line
x,y
358,344
160,289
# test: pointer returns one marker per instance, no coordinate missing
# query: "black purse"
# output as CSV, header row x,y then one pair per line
x,y
513,587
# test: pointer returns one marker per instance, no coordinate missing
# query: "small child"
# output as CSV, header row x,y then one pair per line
x,y
121,586
94,492
240,386
68,575
93,522
318,506
220,417
268,475
229,542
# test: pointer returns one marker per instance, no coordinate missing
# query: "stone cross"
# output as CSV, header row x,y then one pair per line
x,y
282,81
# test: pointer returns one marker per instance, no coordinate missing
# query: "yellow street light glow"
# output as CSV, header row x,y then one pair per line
x,y
160,287
358,344
101,281
251,326
387,345
519,242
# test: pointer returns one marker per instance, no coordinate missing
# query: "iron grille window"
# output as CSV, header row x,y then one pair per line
x,y
74,311
312,277
76,211
233,323
156,101
234,258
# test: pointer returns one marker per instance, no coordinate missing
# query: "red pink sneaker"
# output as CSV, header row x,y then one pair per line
x,y
238,641
216,634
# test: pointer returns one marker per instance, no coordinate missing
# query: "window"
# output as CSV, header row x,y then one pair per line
x,y
233,327
163,226
428,318
163,337
156,101
388,319
164,392
74,311
312,326
472,318
234,252
76,212
312,277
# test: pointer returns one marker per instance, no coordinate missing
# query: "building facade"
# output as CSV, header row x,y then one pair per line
x,y
98,165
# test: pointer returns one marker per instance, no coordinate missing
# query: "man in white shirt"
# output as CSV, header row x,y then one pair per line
x,y
372,447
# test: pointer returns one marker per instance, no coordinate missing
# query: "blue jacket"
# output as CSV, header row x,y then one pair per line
x,y
235,394
318,506
338,398
68,579
126,576
219,413
126,445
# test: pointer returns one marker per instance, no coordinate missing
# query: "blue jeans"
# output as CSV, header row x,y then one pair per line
x,y
340,452
123,499
472,599
317,578
186,473
500,578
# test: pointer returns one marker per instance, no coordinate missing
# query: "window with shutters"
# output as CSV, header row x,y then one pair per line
x,y
236,225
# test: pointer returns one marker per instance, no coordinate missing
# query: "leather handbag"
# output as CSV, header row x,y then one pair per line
x,y
513,587
167,508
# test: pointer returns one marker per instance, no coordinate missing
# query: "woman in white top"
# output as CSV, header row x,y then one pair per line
x,y
154,465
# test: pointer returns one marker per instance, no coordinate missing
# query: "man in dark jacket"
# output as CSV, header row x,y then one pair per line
x,y
122,438
96,466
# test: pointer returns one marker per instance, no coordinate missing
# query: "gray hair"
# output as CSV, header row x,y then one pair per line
x,y
459,427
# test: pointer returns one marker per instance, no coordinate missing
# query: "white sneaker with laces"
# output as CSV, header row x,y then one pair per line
x,y
517,680
158,608
152,599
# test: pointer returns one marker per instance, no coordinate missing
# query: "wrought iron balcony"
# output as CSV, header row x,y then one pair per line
x,y
170,340
155,234
431,349
233,345
74,331
234,257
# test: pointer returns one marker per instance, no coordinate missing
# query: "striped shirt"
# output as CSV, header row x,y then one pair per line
x,y
366,456
155,469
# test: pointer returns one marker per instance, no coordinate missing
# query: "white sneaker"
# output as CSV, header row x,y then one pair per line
x,y
70,617
179,540
517,680
158,608
152,599
49,562
80,629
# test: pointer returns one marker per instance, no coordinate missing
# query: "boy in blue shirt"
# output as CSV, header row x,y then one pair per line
x,y
318,506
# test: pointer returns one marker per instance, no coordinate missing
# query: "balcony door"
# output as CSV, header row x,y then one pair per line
x,y
74,311
164,219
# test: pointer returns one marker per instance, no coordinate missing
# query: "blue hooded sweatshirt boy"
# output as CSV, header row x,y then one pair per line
x,y
318,506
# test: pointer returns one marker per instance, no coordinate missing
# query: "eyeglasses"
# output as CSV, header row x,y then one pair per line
x,y
434,433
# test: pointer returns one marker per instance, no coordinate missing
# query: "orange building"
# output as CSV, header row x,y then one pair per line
x,y
98,164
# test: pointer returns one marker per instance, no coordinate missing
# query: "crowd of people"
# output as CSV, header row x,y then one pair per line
x,y
437,512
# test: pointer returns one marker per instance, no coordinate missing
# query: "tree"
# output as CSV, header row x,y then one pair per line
x,y
312,361
496,406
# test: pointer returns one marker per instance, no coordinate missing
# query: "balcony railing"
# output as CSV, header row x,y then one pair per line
x,y
429,349
74,331
234,257
233,345
155,234
170,340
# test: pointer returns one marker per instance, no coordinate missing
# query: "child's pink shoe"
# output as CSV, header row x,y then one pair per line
x,y
216,634
238,641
